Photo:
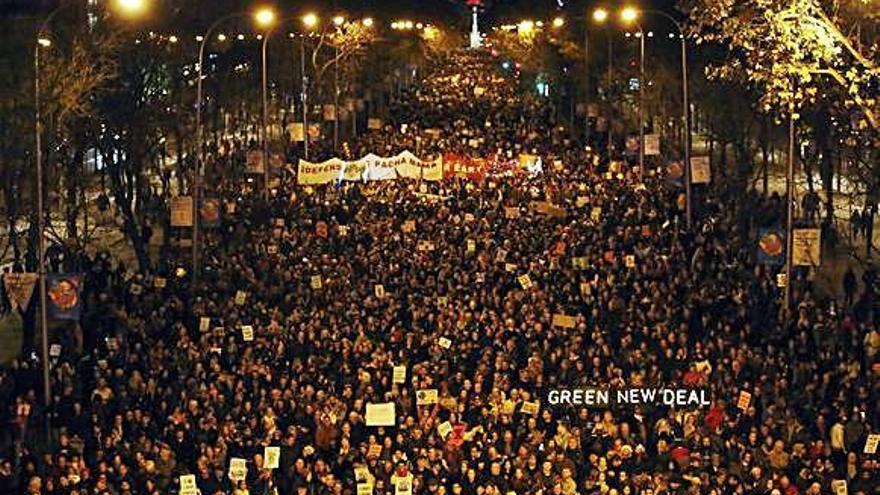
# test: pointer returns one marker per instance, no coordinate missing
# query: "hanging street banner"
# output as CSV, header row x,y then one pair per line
x,y
209,212
652,144
182,211
806,247
63,293
771,246
701,173
20,288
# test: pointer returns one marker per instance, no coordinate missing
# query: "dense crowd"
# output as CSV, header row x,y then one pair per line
x,y
341,283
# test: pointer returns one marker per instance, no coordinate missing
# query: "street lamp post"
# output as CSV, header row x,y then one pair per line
x,y
310,21
265,126
129,8
789,207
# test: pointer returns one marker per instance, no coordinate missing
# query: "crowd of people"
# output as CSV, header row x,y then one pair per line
x,y
307,303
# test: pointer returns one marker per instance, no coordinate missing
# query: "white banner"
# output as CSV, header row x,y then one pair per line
x,y
369,168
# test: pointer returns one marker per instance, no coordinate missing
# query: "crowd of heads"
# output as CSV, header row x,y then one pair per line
x,y
342,283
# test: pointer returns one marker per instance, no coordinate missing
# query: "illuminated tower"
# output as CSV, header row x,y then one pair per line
x,y
476,38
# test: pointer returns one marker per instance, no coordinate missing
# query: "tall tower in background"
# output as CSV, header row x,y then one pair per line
x,y
476,37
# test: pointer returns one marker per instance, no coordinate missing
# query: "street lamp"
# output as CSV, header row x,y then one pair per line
x,y
368,22
129,9
309,20
558,22
630,15
600,15
338,21
265,19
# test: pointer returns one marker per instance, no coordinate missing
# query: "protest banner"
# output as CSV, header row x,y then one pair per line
x,y
374,124
379,290
271,457
296,131
364,489
316,282
182,211
309,173
188,485
380,414
871,443
399,374
806,247
630,261
744,400
426,397
409,226
404,486
204,324
374,451
20,289
580,263
525,281
530,408
247,333
771,246
471,246
444,429
511,212
444,342
240,297
64,301
701,173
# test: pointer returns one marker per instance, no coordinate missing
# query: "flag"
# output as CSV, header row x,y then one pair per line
x,y
20,288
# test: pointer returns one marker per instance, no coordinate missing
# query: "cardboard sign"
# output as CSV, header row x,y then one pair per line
x,y
409,226
806,247
237,469
501,255
240,297
530,408
271,457
247,333
403,487
511,212
426,397
701,173
525,281
316,282
182,211
745,398
580,263
399,374
444,342
204,324
564,321
361,473
471,246
444,429
381,414
297,132
630,261
839,487
596,213
343,231
781,280
509,267
365,489
425,246
871,443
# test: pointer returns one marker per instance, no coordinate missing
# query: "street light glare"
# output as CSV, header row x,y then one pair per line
x,y
264,17
131,7
629,14
368,22
600,15
526,26
45,42
558,22
339,20
310,20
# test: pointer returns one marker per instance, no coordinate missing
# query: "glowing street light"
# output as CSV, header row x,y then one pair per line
x,y
264,17
338,20
44,42
558,22
131,7
629,14
408,25
310,20
172,39
526,27
600,15
368,22
221,37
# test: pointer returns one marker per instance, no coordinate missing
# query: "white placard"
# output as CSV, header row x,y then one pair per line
x,y
381,414
271,457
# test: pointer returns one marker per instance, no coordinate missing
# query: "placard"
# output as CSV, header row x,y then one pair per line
x,y
596,213
255,162
509,267
871,443
409,226
745,398
297,132
511,212
365,489
403,486
316,282
471,246
806,247
580,263
240,297
374,451
271,457
525,281
839,487
374,124
426,397
379,289
188,484
701,173
237,469
247,333
182,211
564,321
399,374
381,414
444,429
444,342
530,408
204,324
630,261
